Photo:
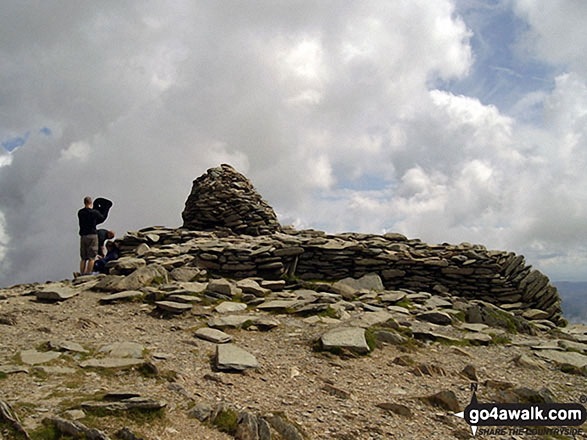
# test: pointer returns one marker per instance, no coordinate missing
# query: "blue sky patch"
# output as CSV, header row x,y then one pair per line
x,y
15,142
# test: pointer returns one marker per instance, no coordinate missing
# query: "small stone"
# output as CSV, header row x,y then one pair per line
x,y
350,338
55,293
389,337
230,307
232,357
445,399
34,357
525,361
123,350
478,338
435,317
470,372
67,346
121,296
221,286
112,363
75,414
534,314
229,321
213,335
201,411
396,408
173,307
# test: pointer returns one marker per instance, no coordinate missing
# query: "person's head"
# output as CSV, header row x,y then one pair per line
x,y
87,201
110,235
109,245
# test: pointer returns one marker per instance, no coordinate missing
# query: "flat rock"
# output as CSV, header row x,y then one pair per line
x,y
393,296
232,357
186,299
577,360
535,314
34,357
267,323
437,302
435,317
473,327
229,321
112,363
526,361
371,319
12,369
479,338
221,286
213,335
370,281
67,346
121,296
280,304
123,350
55,293
350,338
251,286
572,345
55,370
173,307
230,307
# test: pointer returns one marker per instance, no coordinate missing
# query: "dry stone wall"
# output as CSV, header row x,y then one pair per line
x,y
471,271
230,230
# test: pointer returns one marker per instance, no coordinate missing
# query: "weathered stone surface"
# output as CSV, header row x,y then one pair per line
x,y
230,321
123,350
389,337
132,403
66,346
350,338
34,357
285,429
75,429
280,305
396,408
251,286
535,314
121,296
232,357
445,399
55,293
393,297
112,363
12,369
213,335
185,274
55,370
370,281
230,307
173,307
436,317
577,360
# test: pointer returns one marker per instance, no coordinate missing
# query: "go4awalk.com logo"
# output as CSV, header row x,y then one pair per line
x,y
514,418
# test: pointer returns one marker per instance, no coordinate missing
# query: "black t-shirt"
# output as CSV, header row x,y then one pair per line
x,y
88,219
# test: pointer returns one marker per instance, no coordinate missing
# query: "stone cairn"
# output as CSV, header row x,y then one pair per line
x,y
224,198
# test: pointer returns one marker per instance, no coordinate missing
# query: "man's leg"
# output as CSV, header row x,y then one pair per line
x,y
82,267
90,266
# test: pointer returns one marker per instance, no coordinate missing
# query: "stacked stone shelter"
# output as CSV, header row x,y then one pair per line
x,y
231,231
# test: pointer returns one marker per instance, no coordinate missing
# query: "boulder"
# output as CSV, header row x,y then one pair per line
x,y
232,357
349,338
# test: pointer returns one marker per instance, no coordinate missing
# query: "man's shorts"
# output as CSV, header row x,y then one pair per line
x,y
89,246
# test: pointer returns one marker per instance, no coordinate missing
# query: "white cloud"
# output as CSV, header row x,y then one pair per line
x,y
326,106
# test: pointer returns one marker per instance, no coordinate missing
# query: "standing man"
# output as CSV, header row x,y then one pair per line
x,y
88,219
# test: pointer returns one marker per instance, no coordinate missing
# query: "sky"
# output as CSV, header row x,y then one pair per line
x,y
449,121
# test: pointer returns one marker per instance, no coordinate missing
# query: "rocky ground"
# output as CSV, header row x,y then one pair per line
x,y
316,360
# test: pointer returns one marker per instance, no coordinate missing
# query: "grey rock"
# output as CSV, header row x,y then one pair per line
x,y
213,335
173,307
75,429
185,274
230,307
229,321
123,350
201,411
121,296
393,297
52,292
350,338
577,360
389,337
445,399
112,363
535,314
396,408
280,305
251,286
34,357
435,317
129,264
186,299
370,281
221,286
55,370
12,369
284,428
232,357
526,361
66,346
478,338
